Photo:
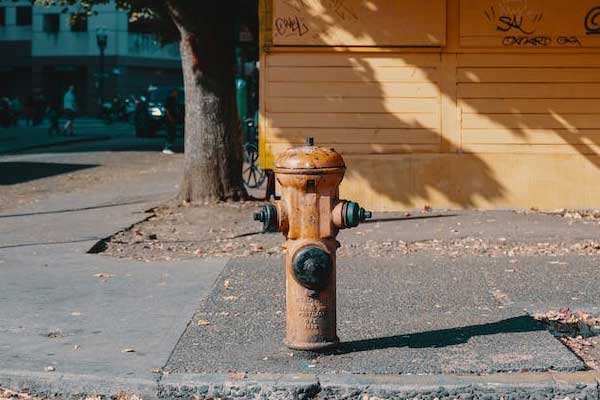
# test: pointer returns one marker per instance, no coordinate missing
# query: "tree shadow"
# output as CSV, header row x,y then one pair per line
x,y
72,210
443,337
415,169
127,143
409,218
14,172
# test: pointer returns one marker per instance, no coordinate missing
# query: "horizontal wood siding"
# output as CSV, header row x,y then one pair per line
x,y
362,104
538,104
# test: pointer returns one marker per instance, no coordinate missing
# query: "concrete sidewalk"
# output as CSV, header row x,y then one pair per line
x,y
109,324
424,326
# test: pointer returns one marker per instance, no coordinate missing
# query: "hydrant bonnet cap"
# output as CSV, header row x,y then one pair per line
x,y
309,157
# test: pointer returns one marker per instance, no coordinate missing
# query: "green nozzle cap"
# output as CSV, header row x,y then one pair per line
x,y
354,214
268,216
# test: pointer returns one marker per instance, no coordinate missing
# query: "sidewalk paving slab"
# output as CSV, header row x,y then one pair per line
x,y
81,313
540,284
414,315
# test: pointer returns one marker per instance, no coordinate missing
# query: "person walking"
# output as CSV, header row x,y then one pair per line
x,y
69,108
171,108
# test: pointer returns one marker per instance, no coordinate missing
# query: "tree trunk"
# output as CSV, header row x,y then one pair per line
x,y
213,139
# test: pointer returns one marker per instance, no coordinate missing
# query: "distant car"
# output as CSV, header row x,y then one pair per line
x,y
150,114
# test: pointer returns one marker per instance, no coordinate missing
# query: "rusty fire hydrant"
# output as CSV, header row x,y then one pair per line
x,y
310,215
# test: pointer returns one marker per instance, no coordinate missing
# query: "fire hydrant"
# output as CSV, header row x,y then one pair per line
x,y
310,215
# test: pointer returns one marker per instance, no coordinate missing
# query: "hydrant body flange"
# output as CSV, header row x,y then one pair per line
x,y
310,215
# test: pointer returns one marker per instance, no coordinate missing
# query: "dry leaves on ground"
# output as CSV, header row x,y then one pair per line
x,y
6,394
228,230
579,331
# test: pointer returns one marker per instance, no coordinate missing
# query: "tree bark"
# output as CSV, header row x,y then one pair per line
x,y
213,139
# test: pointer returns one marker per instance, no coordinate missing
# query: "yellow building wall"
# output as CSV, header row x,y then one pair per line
x,y
503,111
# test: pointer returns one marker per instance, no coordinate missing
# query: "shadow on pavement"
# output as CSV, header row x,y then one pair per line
x,y
443,337
126,203
115,144
13,172
394,219
13,246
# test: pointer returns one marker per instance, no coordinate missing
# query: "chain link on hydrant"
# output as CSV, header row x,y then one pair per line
x,y
310,215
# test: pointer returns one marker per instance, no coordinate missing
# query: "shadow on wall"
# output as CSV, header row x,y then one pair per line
x,y
389,103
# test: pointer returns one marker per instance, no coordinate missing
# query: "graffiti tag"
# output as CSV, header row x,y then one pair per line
x,y
290,26
540,41
592,23
506,23
520,22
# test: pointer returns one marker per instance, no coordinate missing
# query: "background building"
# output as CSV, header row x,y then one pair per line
x,y
48,48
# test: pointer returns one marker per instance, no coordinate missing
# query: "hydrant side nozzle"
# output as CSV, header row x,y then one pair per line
x,y
353,214
268,216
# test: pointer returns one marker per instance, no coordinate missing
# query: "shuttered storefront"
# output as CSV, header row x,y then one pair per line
x,y
458,103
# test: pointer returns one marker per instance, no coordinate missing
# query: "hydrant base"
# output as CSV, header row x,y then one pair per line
x,y
317,346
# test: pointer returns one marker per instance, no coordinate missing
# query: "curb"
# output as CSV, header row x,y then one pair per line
x,y
55,144
75,386
548,385
577,385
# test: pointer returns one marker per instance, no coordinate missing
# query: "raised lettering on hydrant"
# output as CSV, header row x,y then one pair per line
x,y
310,215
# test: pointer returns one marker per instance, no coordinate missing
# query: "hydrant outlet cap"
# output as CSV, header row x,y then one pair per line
x,y
308,157
354,214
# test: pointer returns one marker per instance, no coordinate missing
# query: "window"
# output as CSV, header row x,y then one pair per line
x,y
78,22
51,23
24,15
2,16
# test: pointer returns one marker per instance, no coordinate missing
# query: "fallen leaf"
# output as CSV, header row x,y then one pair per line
x,y
255,247
103,275
226,284
237,375
203,322
230,298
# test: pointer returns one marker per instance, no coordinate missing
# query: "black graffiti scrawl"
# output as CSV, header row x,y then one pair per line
x,y
592,21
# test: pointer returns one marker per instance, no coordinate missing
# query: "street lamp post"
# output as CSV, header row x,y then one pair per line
x,y
101,40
